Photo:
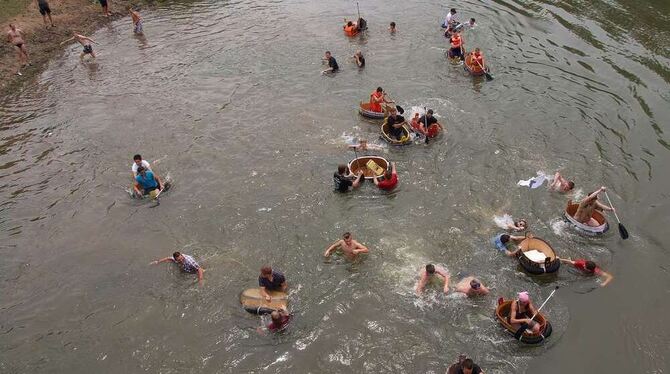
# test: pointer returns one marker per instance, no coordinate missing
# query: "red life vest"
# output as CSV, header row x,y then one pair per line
x,y
350,30
376,106
456,41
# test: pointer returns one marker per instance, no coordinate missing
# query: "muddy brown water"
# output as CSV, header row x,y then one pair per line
x,y
226,99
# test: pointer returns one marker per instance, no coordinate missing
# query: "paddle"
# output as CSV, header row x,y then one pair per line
x,y
398,107
489,77
425,122
622,229
519,333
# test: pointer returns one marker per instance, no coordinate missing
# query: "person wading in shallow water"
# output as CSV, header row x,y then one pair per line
x,y
15,37
349,247
45,11
342,182
85,41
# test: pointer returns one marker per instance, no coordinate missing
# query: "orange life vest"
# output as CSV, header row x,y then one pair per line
x,y
456,41
376,106
350,30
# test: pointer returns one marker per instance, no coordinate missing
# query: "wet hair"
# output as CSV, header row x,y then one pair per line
x,y
379,89
392,24
430,111
137,157
475,284
346,235
453,10
176,255
341,168
571,185
590,266
430,269
350,23
141,169
504,238
266,270
472,20
519,222
467,364
327,52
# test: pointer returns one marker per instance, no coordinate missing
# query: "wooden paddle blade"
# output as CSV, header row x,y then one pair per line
x,y
519,332
622,231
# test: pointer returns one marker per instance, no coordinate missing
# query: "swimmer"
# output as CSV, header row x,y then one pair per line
x,y
364,146
464,365
519,225
137,21
584,213
501,242
186,264
522,311
137,162
590,268
349,247
85,41
560,184
360,60
431,272
342,182
392,28
471,286
15,37
332,63
279,320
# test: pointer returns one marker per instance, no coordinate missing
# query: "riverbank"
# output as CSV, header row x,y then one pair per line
x,y
43,43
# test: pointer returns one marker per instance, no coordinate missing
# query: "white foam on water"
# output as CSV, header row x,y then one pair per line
x,y
503,221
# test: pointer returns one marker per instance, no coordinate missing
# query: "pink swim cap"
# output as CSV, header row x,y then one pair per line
x,y
524,297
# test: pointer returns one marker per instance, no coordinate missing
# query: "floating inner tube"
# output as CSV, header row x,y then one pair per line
x,y
569,215
253,302
472,68
364,110
404,139
502,313
360,163
537,256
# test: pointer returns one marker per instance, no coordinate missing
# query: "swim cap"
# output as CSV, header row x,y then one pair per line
x,y
524,297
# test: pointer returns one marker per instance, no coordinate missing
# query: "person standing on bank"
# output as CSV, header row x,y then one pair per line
x,y
105,8
15,37
270,280
45,11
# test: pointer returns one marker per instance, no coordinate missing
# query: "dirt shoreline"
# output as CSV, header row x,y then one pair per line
x,y
43,43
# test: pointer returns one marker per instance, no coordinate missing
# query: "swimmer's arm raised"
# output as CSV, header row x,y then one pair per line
x,y
330,249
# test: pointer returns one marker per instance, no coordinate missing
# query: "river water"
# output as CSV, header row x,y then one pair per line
x,y
226,99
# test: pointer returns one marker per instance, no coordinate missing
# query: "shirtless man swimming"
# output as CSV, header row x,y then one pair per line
x,y
431,272
561,184
586,207
349,247
471,286
15,37
85,41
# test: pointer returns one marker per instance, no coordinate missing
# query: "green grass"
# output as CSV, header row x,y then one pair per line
x,y
10,8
